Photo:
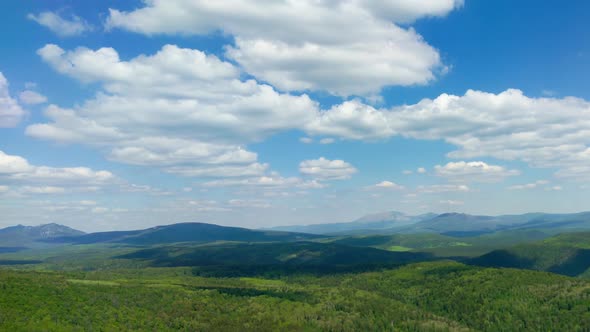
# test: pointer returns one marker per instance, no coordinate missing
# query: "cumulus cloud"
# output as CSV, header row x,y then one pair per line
x,y
388,185
326,169
184,108
474,171
49,180
352,120
346,47
543,132
63,27
442,188
533,185
11,113
179,109
30,97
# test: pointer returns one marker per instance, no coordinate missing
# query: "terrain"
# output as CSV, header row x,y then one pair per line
x,y
450,272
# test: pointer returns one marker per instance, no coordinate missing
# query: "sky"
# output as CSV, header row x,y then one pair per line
x,y
119,115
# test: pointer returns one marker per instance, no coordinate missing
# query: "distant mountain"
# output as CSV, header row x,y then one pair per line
x,y
185,232
25,236
567,254
248,259
460,224
367,224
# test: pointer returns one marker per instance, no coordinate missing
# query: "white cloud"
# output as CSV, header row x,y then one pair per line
x,y
250,203
452,202
327,140
421,170
48,180
306,140
532,185
254,169
13,164
74,26
388,185
407,172
475,171
352,120
543,132
100,210
179,109
183,109
442,188
42,190
11,113
30,97
345,47
325,169
262,181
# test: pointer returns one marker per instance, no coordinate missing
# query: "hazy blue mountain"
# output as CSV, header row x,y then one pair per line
x,y
460,224
186,232
366,224
25,236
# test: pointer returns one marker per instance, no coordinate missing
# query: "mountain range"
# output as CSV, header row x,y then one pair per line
x,y
26,236
387,223
184,232
452,224
548,242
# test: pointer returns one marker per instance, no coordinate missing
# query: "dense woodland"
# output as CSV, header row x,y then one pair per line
x,y
521,281
438,296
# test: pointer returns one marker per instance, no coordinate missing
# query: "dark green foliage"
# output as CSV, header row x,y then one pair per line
x,y
18,262
273,258
5,250
338,284
567,254
440,296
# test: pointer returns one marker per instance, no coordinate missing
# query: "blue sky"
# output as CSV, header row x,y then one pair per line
x,y
129,114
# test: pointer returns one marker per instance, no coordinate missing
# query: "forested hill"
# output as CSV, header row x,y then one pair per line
x,y
567,254
186,232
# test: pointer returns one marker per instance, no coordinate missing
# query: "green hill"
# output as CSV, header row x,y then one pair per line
x,y
434,296
186,232
401,242
567,254
281,258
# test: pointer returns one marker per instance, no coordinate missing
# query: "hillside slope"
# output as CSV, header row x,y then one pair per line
x,y
186,232
567,254
30,236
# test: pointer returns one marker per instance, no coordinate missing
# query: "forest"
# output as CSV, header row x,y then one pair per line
x,y
292,282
